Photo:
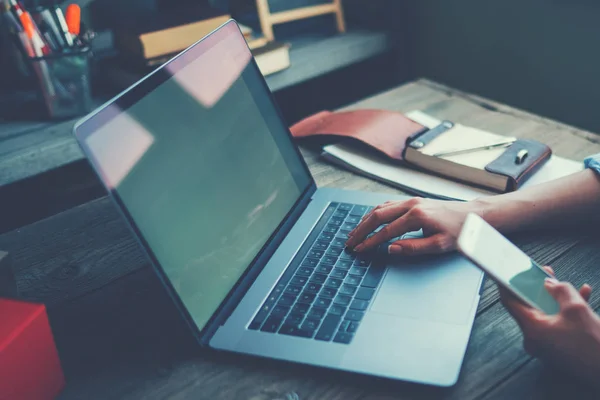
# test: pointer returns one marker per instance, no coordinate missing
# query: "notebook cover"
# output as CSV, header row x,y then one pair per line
x,y
385,131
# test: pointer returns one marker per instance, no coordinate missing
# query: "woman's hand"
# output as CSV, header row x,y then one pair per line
x,y
569,340
441,222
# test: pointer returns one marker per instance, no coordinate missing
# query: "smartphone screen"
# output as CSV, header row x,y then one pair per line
x,y
505,263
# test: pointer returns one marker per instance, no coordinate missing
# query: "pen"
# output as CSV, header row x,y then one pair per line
x,y
63,26
12,22
504,143
50,23
37,48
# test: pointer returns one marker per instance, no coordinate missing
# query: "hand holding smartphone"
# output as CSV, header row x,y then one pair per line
x,y
505,263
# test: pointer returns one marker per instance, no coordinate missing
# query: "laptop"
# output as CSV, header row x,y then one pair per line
x,y
202,166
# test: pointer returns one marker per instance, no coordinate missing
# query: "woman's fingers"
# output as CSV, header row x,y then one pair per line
x,y
396,228
586,292
378,217
522,313
549,270
438,243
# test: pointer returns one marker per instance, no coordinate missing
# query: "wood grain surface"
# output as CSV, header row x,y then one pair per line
x,y
119,336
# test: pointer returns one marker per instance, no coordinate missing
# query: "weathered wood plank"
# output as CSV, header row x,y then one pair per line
x,y
72,253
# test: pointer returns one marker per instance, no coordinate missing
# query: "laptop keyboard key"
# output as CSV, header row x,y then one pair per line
x,y
286,300
342,235
280,311
336,221
344,264
313,288
294,319
316,313
343,300
340,214
337,242
310,325
357,271
345,207
362,262
343,337
359,305
300,308
353,219
352,326
335,251
305,271
344,325
353,280
320,245
338,273
331,229
328,328
299,280
358,210
293,290
354,315
295,330
316,254
318,278
328,292
271,324
324,268
306,298
373,277
310,262
334,283
364,293
337,309
326,237
347,254
329,259
347,289
348,226
322,302
259,318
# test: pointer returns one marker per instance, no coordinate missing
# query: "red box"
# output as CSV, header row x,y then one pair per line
x,y
29,364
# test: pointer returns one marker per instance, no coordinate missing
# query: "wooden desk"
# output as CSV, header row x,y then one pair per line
x,y
120,338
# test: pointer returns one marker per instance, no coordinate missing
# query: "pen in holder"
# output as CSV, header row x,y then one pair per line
x,y
56,57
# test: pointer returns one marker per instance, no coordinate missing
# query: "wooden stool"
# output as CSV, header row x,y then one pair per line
x,y
267,19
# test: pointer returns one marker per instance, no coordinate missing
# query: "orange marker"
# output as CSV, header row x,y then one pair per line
x,y
33,35
73,17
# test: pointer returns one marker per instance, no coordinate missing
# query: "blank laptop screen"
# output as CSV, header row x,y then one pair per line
x,y
204,166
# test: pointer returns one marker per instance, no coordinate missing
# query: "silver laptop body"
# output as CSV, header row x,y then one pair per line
x,y
202,166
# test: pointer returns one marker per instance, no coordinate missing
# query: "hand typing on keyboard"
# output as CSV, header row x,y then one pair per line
x,y
440,221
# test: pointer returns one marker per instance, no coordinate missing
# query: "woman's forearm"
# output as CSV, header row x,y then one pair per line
x,y
572,199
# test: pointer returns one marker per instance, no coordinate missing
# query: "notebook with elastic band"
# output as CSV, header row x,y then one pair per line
x,y
452,150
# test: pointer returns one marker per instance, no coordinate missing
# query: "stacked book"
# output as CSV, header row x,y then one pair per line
x,y
151,40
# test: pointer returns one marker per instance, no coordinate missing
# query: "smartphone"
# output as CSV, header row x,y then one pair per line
x,y
505,263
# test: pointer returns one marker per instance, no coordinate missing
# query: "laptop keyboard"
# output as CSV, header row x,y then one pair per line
x,y
325,291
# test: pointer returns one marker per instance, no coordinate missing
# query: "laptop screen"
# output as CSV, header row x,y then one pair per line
x,y
203,164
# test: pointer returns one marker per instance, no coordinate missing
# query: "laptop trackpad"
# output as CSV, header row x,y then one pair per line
x,y
434,288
